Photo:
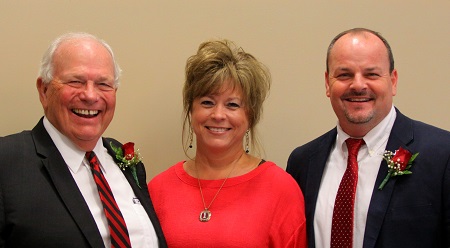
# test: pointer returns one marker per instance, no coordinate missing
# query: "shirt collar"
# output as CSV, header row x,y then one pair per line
x,y
372,138
72,155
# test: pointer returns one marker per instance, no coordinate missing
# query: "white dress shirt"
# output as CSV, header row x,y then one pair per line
x,y
140,228
369,160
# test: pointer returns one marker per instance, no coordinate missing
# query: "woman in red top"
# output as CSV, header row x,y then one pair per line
x,y
224,196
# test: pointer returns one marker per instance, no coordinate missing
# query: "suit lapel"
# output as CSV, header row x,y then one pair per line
x,y
65,185
140,191
316,168
401,135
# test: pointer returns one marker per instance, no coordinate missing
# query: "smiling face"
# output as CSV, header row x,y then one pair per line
x,y
358,83
220,120
80,100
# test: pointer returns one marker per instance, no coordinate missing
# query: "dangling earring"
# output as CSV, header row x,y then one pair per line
x,y
191,137
247,141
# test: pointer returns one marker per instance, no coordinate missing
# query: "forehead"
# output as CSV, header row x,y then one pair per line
x,y
82,44
229,88
359,48
218,88
80,55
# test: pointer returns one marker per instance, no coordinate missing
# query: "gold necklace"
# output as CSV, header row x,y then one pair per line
x,y
205,214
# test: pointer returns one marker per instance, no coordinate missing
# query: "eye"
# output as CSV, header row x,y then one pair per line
x,y
344,76
233,105
207,103
373,75
75,83
104,86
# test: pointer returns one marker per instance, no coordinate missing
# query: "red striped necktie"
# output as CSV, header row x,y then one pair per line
x,y
117,226
344,205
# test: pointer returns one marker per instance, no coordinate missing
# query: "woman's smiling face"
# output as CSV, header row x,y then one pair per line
x,y
220,120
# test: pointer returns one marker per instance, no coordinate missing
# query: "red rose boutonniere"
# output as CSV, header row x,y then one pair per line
x,y
398,163
128,158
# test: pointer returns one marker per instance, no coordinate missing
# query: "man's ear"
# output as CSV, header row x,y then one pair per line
x,y
327,84
42,90
394,79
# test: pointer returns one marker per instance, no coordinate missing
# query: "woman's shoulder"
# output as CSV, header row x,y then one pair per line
x,y
277,174
273,168
281,183
168,173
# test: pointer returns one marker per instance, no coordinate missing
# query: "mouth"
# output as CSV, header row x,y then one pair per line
x,y
218,129
358,96
359,99
86,113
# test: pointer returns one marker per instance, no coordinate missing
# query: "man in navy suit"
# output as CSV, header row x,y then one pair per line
x,y
410,210
48,197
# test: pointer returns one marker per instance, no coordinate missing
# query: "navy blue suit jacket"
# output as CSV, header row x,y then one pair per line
x,y
40,203
411,210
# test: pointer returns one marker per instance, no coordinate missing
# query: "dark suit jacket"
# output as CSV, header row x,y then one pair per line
x,y
411,210
40,203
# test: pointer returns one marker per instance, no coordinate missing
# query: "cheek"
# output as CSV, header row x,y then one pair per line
x,y
241,118
55,99
333,88
198,120
384,91
110,100
195,120
332,92
337,89
112,103
199,114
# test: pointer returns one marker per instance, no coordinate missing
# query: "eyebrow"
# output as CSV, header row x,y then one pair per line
x,y
233,98
342,69
83,78
365,69
372,68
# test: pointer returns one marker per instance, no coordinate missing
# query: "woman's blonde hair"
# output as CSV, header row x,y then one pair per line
x,y
221,61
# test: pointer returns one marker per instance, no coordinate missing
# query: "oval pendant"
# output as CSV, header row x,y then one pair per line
x,y
205,215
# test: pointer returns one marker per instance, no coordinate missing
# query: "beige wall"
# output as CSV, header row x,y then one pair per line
x,y
152,40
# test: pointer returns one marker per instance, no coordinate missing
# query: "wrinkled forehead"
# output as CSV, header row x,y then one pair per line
x,y
87,53
76,46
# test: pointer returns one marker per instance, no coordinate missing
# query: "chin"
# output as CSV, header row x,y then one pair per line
x,y
88,136
359,118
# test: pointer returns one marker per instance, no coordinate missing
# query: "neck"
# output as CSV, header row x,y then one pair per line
x,y
214,168
356,130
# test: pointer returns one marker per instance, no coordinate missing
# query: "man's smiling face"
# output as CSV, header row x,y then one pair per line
x,y
359,84
80,100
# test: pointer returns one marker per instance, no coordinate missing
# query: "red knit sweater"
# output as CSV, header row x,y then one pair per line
x,y
263,208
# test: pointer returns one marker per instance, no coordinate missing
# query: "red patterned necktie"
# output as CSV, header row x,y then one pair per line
x,y
343,213
117,226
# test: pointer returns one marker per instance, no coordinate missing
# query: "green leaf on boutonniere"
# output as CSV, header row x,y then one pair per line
x,y
398,163
127,158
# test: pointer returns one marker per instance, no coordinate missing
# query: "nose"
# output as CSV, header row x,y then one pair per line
x,y
218,112
89,92
358,83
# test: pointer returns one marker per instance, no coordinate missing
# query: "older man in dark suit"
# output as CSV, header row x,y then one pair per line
x,y
62,184
353,198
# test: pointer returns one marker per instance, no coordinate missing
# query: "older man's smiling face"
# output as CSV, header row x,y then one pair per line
x,y
80,100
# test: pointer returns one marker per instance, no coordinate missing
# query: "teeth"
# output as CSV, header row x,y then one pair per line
x,y
358,100
85,112
216,129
